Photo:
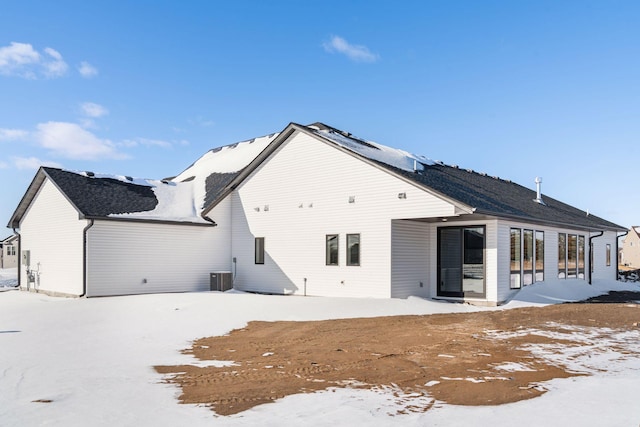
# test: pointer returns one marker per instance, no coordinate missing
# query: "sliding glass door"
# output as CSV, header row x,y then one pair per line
x,y
461,270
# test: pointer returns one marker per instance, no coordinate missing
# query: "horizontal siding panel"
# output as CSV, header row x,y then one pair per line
x,y
136,258
409,259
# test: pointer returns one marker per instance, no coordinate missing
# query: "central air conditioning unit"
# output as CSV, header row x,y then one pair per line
x,y
220,281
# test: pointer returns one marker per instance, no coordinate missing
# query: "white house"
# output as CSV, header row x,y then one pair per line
x,y
9,252
311,210
631,248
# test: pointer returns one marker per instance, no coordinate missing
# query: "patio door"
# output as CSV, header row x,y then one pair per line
x,y
461,270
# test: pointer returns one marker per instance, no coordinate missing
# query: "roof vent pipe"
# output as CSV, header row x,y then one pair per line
x,y
538,198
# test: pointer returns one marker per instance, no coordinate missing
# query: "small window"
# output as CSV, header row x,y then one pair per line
x,y
516,258
331,249
539,256
608,254
562,256
13,250
353,249
259,250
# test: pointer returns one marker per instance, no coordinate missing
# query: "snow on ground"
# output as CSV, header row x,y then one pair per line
x,y
8,278
93,359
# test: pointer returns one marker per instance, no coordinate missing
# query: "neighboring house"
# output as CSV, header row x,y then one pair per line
x,y
309,211
9,252
631,248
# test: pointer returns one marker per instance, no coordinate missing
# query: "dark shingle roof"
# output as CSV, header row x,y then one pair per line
x,y
215,184
498,197
101,197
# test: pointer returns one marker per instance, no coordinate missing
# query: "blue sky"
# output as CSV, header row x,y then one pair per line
x,y
517,89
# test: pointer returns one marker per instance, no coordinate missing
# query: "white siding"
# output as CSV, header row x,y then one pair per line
x,y
409,258
305,187
53,234
600,269
136,258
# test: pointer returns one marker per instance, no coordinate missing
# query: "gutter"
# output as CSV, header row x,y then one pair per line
x,y
84,257
591,254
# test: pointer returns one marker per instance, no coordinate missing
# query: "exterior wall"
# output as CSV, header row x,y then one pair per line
x,y
52,232
410,261
631,249
300,195
602,271
138,257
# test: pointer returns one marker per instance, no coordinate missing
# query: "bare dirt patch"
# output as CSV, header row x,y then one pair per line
x,y
483,358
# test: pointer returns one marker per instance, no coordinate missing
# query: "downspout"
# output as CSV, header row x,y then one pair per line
x,y
17,233
84,257
591,254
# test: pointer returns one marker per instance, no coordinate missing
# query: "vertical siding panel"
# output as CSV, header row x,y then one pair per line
x,y
52,232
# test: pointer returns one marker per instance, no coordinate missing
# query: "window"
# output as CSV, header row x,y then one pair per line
x,y
461,261
539,275
562,256
332,249
608,254
572,256
581,243
527,257
353,249
516,260
259,252
13,250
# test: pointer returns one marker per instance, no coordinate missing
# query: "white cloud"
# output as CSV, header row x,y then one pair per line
x,y
353,52
91,109
31,163
145,142
71,141
87,70
54,67
12,134
4,165
22,60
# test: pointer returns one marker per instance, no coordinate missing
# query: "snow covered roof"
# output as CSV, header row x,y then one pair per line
x,y
216,168
391,156
193,193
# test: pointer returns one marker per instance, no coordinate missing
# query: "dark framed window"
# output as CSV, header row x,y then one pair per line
x,y
461,261
527,257
259,250
572,256
581,254
331,245
562,256
516,258
608,255
353,249
539,256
